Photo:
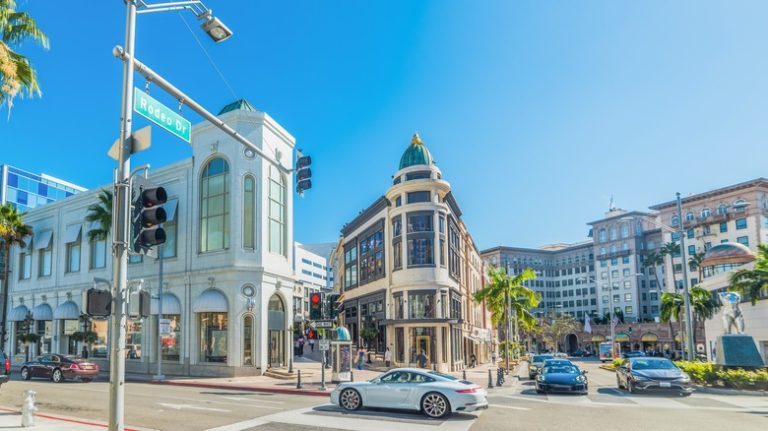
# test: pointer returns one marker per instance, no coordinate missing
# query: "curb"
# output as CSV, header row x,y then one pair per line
x,y
728,391
64,419
268,389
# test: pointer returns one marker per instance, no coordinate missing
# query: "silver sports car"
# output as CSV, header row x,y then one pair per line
x,y
435,394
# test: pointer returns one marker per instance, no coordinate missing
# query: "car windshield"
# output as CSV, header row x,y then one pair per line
x,y
653,364
561,370
445,376
75,358
541,358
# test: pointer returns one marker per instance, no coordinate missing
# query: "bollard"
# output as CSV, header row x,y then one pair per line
x,y
490,379
28,409
298,383
464,374
322,374
499,377
351,376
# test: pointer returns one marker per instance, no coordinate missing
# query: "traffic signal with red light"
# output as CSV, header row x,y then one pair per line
x,y
147,216
316,306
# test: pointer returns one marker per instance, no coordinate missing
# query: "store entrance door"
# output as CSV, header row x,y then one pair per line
x,y
422,343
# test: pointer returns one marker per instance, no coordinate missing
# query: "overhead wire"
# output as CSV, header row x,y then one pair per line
x,y
210,59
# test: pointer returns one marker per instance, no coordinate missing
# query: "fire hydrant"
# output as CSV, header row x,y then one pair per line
x,y
28,409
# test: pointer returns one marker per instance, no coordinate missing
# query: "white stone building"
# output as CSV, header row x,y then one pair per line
x,y
228,276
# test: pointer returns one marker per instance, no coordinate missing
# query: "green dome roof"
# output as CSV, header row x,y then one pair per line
x,y
416,154
241,104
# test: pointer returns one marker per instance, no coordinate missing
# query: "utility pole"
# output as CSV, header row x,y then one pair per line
x,y
686,294
120,215
160,376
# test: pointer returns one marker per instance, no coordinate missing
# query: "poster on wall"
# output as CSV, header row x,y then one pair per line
x,y
345,358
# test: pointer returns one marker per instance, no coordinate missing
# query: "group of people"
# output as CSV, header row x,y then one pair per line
x,y
300,343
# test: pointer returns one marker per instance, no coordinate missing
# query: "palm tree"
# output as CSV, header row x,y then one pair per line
x,y
100,213
503,289
695,263
750,283
17,76
672,304
653,259
671,249
703,305
13,230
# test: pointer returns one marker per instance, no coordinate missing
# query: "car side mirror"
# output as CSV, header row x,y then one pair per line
x,y
376,381
584,372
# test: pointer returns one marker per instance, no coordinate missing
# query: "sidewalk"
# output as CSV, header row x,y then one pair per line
x,y
10,419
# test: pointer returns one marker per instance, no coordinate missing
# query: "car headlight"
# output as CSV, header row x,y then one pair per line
x,y
541,378
685,378
533,368
639,377
580,379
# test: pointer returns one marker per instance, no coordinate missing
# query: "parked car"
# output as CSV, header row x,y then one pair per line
x,y
5,374
560,355
561,378
59,367
633,354
646,373
557,362
579,353
537,361
435,394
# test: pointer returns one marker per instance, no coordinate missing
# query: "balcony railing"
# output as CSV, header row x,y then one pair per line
x,y
615,254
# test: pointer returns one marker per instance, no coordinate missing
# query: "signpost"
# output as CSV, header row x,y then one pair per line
x,y
325,324
325,345
161,115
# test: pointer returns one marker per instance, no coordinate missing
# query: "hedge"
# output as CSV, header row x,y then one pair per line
x,y
707,373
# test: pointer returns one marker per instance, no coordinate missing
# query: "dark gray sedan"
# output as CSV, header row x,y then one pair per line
x,y
646,373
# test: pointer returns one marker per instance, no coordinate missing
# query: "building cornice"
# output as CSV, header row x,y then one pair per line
x,y
758,182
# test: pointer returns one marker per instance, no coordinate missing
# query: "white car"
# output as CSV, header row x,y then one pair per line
x,y
436,394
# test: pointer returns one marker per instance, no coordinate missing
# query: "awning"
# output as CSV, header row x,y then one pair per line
x,y
42,312
18,314
622,337
649,338
598,338
67,311
43,239
171,305
473,338
210,301
170,209
73,233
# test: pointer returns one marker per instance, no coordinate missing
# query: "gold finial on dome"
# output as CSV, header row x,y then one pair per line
x,y
416,140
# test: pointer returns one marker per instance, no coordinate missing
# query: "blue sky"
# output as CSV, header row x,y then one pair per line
x,y
537,112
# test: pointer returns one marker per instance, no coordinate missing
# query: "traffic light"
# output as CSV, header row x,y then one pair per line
x,y
147,215
138,304
335,306
98,303
303,173
316,306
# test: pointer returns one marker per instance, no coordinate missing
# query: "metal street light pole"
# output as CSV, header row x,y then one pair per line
x,y
160,376
610,313
686,294
509,332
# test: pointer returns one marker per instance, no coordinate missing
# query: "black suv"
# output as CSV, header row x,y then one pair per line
x,y
5,368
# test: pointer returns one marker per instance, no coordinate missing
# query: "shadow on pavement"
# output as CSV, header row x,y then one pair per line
x,y
389,415
235,393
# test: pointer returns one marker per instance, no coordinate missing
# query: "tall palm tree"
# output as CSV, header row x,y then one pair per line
x,y
653,259
503,288
671,249
695,263
751,282
100,213
672,305
17,76
703,305
13,230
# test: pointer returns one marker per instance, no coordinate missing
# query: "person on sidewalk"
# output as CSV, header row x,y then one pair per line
x,y
473,361
301,346
360,358
295,347
387,358
312,344
422,359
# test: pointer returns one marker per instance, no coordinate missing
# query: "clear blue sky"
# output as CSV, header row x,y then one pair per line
x,y
537,112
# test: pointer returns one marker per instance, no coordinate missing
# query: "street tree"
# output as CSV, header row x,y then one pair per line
x,y
694,262
101,214
13,230
654,259
752,283
17,76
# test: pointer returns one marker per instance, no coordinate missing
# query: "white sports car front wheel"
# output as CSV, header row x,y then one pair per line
x,y
349,399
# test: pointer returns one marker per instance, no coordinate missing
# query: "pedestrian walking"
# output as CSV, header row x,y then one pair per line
x,y
422,359
493,357
301,346
84,354
387,357
312,344
360,358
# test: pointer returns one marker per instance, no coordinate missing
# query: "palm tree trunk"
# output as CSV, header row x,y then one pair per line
x,y
4,313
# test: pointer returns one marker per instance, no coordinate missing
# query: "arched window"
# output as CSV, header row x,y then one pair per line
x,y
248,331
276,326
689,216
722,209
214,206
601,236
613,233
705,213
675,220
624,230
249,212
277,231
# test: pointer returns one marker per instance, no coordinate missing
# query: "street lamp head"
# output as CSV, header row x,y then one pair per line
x,y
215,28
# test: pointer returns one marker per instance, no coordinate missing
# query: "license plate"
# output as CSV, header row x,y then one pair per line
x,y
665,384
88,367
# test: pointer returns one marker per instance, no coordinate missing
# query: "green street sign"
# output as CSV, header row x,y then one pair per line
x,y
161,115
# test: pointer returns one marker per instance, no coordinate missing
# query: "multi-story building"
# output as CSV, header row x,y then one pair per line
x,y
25,190
228,274
313,273
406,268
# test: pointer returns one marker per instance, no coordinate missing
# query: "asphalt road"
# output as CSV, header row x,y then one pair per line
x,y
516,406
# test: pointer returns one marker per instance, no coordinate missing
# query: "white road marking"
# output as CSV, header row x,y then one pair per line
x,y
191,407
256,400
509,407
537,399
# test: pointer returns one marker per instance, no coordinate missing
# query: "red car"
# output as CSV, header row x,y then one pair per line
x,y
60,367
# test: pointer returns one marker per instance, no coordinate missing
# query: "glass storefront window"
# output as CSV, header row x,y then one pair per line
x,y
172,343
133,339
422,340
248,340
421,305
399,345
45,331
99,348
399,307
213,337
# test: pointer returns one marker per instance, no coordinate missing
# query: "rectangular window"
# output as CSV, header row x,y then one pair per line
x,y
625,272
628,310
723,227
350,265
627,284
249,213
416,197
454,256
420,239
46,260
741,223
213,337
627,297
743,240
25,265
691,249
690,233
133,348
399,310
616,298
372,255
98,254
400,345
73,256
625,259
421,305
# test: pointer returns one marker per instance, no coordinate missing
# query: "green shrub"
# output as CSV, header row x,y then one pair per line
x,y
737,378
617,362
700,372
